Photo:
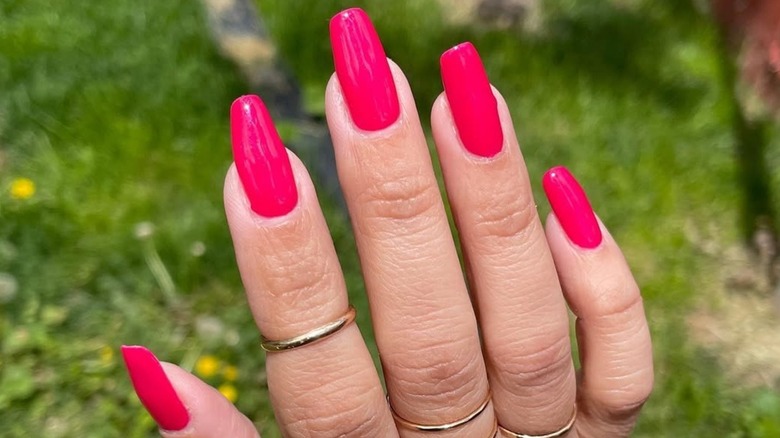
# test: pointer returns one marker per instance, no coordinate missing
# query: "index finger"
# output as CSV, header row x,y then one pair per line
x,y
294,285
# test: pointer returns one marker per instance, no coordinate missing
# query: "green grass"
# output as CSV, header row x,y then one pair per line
x,y
118,113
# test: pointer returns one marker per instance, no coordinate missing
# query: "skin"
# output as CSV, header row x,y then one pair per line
x,y
428,318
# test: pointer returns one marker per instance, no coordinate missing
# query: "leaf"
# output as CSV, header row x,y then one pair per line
x,y
16,383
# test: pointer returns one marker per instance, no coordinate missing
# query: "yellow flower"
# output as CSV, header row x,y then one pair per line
x,y
230,373
22,188
106,355
207,366
229,391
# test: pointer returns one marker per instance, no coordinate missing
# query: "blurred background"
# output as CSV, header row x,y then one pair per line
x,y
114,142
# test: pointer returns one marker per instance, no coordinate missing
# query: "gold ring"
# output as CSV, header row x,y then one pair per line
x,y
439,427
312,336
558,433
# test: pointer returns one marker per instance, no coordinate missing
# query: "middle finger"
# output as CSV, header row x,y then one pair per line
x,y
425,325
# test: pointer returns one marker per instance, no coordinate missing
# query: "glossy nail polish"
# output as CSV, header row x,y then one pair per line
x,y
571,207
473,105
261,159
154,389
363,71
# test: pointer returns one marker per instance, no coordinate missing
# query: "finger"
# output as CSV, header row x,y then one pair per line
x,y
181,404
424,323
294,284
612,332
522,313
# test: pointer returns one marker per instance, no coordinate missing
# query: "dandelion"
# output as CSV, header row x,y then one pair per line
x,y
232,337
106,355
209,328
207,366
198,248
143,230
22,188
230,373
229,391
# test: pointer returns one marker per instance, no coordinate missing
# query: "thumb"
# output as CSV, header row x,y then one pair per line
x,y
181,404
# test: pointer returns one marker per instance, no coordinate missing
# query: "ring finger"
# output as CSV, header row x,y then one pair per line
x,y
522,310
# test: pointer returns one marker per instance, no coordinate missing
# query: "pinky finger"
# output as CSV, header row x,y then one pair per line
x,y
181,404
612,333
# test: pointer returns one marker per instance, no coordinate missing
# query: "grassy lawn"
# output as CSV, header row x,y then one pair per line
x,y
118,112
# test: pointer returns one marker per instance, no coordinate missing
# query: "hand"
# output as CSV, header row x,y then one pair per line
x,y
495,351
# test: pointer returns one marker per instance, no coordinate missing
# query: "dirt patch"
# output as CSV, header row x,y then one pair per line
x,y
503,14
738,318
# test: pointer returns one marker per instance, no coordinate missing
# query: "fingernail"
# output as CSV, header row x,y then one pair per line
x,y
261,159
473,105
363,71
154,389
571,207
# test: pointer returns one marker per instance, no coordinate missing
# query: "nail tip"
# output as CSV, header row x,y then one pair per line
x,y
556,170
239,100
243,103
459,50
128,350
460,47
347,14
554,173
134,353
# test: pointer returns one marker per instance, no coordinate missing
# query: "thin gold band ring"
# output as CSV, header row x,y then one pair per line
x,y
309,337
439,427
558,433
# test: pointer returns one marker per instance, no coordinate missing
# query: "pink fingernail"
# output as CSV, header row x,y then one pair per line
x,y
154,389
571,207
363,71
261,159
473,105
